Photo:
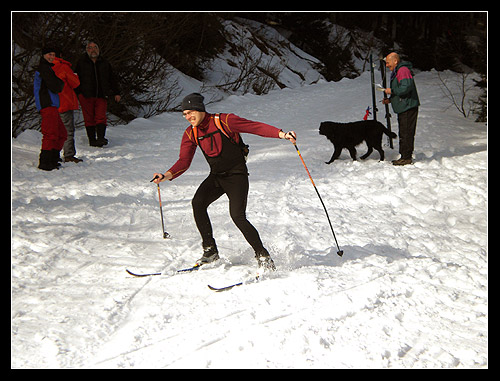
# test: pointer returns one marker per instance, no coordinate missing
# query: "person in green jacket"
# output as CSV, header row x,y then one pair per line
x,y
405,102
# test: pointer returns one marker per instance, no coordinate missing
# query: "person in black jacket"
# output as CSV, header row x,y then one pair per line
x,y
97,83
46,88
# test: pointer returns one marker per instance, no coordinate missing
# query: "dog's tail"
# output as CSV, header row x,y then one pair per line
x,y
386,131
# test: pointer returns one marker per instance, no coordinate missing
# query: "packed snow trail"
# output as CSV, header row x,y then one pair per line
x,y
410,290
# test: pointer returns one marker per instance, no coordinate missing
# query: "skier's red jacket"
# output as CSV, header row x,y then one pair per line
x,y
212,147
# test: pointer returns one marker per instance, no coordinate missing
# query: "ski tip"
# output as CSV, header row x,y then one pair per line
x,y
141,275
227,288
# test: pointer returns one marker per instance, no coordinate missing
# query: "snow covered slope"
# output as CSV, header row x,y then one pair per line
x,y
410,290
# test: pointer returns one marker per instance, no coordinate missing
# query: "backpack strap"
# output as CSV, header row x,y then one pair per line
x,y
195,134
241,143
222,129
218,124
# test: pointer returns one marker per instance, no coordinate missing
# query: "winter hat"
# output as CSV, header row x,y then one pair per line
x,y
48,49
194,102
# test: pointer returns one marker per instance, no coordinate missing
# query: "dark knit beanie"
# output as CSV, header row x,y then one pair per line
x,y
48,49
194,102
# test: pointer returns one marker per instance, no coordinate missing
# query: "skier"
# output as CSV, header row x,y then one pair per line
x,y
228,171
405,102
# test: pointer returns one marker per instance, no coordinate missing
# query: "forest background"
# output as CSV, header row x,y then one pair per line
x,y
144,48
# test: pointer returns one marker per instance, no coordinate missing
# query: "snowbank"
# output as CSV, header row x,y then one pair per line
x,y
410,290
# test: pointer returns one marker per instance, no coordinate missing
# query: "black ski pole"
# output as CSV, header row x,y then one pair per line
x,y
339,252
165,234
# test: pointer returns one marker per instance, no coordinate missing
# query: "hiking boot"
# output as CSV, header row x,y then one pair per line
x,y
402,162
264,260
72,159
210,254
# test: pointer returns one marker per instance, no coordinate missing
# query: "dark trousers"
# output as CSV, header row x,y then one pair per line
x,y
235,186
407,126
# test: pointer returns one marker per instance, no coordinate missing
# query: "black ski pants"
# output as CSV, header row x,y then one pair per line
x,y
407,126
235,186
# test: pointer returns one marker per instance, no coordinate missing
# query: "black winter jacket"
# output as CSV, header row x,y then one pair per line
x,y
96,79
46,86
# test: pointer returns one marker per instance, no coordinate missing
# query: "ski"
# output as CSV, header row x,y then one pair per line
x,y
384,85
141,275
372,66
227,288
189,269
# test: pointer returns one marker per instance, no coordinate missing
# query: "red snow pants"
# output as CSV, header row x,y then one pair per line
x,y
53,129
94,110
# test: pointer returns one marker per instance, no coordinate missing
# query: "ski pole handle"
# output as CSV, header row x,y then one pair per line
x,y
289,136
157,177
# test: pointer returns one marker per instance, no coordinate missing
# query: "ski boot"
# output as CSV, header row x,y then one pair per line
x,y
210,254
264,260
47,162
100,132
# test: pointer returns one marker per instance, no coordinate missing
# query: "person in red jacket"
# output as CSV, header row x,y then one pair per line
x,y
67,103
46,89
228,171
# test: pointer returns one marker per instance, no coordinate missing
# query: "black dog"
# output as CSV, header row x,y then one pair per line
x,y
349,135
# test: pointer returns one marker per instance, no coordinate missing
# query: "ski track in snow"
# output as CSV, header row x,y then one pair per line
x,y
410,290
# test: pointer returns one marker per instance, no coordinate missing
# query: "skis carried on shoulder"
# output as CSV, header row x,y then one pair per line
x,y
387,112
374,101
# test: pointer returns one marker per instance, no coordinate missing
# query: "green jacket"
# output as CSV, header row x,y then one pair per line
x,y
404,92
